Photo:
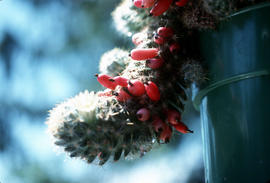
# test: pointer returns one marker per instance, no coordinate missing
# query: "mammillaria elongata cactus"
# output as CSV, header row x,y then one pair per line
x,y
146,89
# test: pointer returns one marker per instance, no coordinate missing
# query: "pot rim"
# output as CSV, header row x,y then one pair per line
x,y
250,8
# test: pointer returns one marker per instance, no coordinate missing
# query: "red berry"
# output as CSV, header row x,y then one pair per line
x,y
143,114
122,96
106,81
166,134
137,38
165,32
148,3
136,88
106,93
152,91
158,124
144,54
173,117
137,3
155,63
159,40
119,80
174,48
160,7
181,3
181,127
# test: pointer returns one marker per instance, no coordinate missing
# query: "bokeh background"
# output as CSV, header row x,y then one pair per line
x,y
49,51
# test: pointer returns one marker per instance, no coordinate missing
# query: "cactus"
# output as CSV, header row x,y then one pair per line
x,y
193,72
113,62
88,126
128,19
195,17
220,8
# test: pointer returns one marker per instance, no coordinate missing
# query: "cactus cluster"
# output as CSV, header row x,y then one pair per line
x,y
128,19
88,126
113,62
146,87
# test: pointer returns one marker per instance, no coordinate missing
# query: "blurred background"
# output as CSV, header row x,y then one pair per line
x,y
49,51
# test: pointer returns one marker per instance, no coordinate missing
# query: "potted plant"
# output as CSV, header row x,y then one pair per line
x,y
233,105
146,87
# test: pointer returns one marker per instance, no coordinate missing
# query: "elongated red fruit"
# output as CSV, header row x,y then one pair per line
x,y
152,91
181,3
143,114
166,134
136,88
121,81
173,117
144,54
181,127
137,3
148,3
174,48
106,81
159,40
105,93
138,38
155,63
165,32
158,124
160,7
122,96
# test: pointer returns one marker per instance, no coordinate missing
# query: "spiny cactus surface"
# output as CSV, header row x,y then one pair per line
x,y
91,127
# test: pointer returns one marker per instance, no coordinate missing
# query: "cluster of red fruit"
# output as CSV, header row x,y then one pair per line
x,y
128,88
158,6
125,89
151,55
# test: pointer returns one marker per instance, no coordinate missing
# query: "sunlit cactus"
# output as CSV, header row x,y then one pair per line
x,y
129,19
145,87
114,61
92,127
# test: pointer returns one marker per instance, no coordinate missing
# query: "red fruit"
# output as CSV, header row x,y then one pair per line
x,y
160,7
152,91
137,38
121,81
181,127
137,3
181,3
173,117
159,40
155,63
165,32
148,3
174,48
122,96
106,93
143,114
144,54
158,124
136,88
106,81
166,134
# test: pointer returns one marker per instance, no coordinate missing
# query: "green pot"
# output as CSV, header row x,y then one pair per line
x,y
234,105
